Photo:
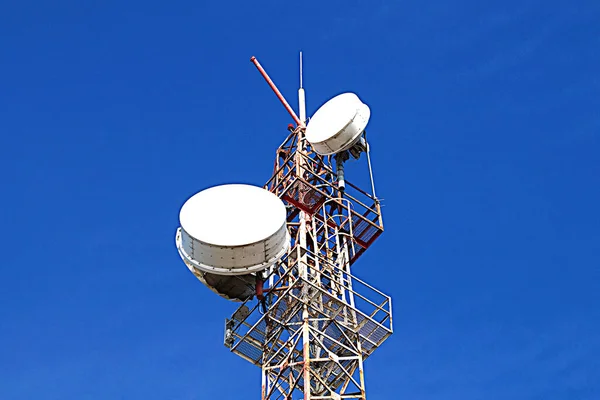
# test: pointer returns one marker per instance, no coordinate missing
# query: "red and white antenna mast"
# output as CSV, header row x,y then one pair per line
x,y
315,323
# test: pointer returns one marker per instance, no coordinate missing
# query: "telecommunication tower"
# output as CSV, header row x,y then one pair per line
x,y
305,319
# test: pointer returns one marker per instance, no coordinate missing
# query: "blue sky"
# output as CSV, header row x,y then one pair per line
x,y
486,140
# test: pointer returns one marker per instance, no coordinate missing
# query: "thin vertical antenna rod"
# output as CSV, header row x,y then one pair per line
x,y
301,71
370,167
301,96
277,92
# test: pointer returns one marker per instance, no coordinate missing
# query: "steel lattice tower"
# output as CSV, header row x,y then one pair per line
x,y
317,323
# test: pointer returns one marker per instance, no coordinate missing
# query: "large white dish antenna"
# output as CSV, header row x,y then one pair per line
x,y
232,229
338,124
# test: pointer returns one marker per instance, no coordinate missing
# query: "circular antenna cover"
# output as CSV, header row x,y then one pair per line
x,y
233,229
338,124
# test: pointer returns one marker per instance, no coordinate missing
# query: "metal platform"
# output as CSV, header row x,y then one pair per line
x,y
312,188
348,320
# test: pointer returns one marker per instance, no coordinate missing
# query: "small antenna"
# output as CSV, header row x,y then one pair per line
x,y
301,70
301,97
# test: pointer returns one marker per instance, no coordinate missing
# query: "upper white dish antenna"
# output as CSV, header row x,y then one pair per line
x,y
232,229
338,124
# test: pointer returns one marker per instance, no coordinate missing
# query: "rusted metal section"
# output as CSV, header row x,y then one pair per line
x,y
312,339
306,368
308,192
309,310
